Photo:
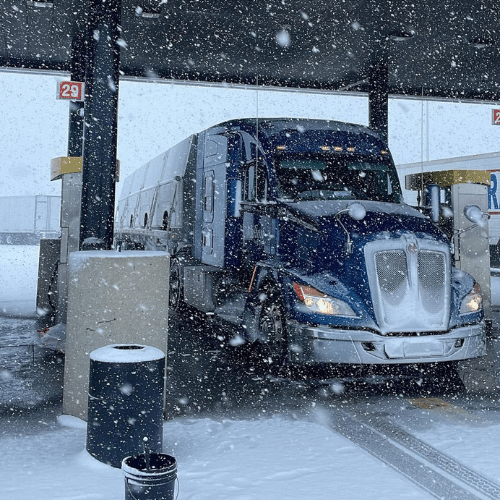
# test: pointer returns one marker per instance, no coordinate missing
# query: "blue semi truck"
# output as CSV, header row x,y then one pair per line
x,y
295,232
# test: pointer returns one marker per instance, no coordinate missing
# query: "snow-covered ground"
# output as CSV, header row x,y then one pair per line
x,y
265,457
277,450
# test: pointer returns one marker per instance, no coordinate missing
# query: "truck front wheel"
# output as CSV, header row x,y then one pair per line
x,y
272,329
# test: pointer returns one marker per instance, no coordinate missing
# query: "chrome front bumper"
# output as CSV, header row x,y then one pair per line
x,y
308,344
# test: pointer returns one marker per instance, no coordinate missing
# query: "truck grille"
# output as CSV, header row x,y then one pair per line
x,y
431,276
392,275
410,285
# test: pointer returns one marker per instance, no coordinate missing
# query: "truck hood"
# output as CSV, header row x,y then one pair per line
x,y
381,219
384,226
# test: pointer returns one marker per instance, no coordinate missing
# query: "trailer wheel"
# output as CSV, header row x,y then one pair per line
x,y
175,295
272,329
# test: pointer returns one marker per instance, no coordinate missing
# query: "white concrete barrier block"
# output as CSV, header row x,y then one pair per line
x,y
113,298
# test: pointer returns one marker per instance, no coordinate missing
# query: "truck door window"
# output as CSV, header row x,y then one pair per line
x,y
256,185
249,191
261,183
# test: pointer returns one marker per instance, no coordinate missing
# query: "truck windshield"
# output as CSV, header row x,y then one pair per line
x,y
332,178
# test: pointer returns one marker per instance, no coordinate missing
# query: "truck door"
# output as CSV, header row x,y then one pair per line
x,y
259,219
214,201
208,213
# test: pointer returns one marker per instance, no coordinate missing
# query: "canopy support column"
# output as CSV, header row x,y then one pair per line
x,y
378,98
100,125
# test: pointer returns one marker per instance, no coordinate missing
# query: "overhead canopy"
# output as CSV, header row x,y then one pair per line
x,y
446,48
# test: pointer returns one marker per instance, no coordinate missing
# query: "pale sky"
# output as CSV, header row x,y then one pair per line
x,y
155,116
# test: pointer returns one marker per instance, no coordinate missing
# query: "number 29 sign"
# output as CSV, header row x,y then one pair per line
x,y
495,119
74,91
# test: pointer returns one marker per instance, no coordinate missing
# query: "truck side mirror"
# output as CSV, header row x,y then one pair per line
x,y
474,214
434,194
357,211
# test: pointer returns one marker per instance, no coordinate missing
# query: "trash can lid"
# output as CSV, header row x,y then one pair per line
x,y
126,353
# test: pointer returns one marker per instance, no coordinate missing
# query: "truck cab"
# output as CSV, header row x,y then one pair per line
x,y
296,233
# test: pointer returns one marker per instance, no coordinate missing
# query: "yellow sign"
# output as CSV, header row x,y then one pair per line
x,y
70,165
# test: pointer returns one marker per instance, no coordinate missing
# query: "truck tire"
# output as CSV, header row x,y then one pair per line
x,y
176,292
272,329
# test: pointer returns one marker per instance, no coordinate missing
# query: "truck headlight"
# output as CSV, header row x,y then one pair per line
x,y
473,301
320,303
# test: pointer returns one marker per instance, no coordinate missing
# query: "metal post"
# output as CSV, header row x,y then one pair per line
x,y
71,183
100,125
378,98
75,132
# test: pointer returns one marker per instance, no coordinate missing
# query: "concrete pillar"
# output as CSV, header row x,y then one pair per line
x,y
70,234
113,298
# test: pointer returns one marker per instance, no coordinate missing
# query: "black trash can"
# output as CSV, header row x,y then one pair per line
x,y
150,477
125,410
